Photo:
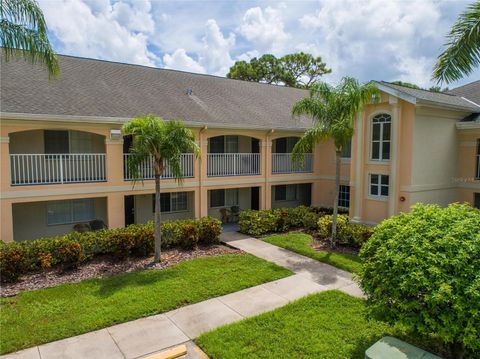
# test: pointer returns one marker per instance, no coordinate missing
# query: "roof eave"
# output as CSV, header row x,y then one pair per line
x,y
122,120
396,93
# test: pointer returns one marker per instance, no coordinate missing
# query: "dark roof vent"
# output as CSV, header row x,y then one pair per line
x,y
189,92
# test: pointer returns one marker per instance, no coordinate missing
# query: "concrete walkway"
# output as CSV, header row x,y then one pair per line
x,y
145,336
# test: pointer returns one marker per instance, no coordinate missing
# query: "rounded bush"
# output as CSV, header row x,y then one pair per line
x,y
421,271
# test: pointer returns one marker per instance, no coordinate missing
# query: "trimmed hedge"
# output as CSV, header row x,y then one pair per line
x,y
70,250
351,234
257,223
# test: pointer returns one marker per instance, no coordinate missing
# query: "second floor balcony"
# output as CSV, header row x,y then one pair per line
x,y
147,169
285,163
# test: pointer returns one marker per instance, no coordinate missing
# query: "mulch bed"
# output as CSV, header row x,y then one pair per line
x,y
105,266
323,244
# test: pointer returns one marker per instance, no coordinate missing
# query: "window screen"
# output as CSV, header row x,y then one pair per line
x,y
70,211
56,142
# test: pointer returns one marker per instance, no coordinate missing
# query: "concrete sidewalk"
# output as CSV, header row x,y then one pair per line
x,y
141,337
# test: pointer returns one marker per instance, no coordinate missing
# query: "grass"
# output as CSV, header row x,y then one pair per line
x,y
326,325
44,315
301,244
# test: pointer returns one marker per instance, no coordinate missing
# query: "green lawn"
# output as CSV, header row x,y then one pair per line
x,y
301,243
326,325
41,316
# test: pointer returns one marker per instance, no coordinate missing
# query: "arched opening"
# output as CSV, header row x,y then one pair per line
x,y
233,155
56,156
282,159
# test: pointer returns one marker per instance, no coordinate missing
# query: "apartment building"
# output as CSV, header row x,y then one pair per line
x,y
64,159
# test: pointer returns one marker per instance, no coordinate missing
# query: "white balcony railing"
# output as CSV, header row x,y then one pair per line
x,y
147,170
233,164
282,163
39,168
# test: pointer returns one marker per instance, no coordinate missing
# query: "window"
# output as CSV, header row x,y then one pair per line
x,y
285,144
476,200
381,125
172,202
477,176
223,144
224,197
379,185
347,150
286,192
70,211
56,142
81,142
344,196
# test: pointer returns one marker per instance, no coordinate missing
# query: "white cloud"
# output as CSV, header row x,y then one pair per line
x,y
214,57
135,16
377,37
99,32
265,29
180,60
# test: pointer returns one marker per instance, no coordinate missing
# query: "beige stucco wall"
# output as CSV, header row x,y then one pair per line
x,y
30,220
144,209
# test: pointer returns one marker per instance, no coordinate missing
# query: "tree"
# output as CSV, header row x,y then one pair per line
x,y
463,52
420,271
295,70
23,33
161,142
333,111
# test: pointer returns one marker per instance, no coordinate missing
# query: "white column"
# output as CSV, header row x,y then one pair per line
x,y
394,161
359,151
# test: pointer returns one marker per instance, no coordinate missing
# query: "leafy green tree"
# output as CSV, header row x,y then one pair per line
x,y
295,70
421,272
333,111
462,55
23,33
163,142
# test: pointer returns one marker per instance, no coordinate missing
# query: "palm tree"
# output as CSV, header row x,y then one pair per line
x,y
161,142
23,33
333,111
463,52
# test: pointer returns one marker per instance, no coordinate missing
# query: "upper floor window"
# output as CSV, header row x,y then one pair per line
x,y
381,125
347,150
477,174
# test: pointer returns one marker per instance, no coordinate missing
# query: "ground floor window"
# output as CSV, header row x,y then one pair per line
x,y
379,185
344,196
224,197
476,200
70,211
172,202
286,192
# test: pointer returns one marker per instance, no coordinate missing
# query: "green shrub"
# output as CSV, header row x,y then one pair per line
x,y
421,271
71,249
13,261
296,215
310,220
210,230
351,234
256,223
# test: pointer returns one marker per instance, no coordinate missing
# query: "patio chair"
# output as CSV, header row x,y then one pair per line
x,y
234,213
225,215
81,227
97,224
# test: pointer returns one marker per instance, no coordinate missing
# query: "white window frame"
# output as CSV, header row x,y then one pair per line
x,y
381,141
340,199
379,186
71,209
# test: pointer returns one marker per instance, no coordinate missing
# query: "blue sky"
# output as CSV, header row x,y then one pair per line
x,y
368,39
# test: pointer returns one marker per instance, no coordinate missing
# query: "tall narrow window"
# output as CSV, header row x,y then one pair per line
x,y
477,176
381,125
344,196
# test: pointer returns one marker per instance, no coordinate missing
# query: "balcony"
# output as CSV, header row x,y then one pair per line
x,y
233,164
39,168
147,171
284,163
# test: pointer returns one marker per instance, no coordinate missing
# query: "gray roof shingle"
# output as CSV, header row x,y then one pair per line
x,y
96,88
441,98
470,91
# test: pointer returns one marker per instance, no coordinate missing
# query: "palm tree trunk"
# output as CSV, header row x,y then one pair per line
x,y
338,155
158,232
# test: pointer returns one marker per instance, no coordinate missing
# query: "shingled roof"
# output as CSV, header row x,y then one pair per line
x,y
470,91
103,89
448,99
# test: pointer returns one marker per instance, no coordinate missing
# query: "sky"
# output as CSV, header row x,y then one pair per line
x,y
367,39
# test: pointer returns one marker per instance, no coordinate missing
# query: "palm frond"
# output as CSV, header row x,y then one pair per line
x,y
462,55
23,33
